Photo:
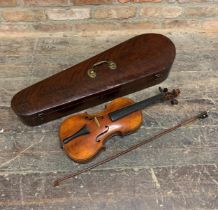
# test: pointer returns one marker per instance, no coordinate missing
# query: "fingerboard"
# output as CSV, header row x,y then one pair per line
x,y
120,113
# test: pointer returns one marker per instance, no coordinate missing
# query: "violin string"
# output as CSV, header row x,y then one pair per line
x,y
145,141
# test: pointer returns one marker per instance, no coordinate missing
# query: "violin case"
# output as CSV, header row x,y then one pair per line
x,y
135,64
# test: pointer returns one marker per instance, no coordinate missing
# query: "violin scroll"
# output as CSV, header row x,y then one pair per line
x,y
170,96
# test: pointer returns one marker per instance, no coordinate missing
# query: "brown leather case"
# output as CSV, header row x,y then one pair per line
x,y
137,63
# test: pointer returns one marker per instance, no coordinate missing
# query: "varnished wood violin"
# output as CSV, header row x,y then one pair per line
x,y
83,135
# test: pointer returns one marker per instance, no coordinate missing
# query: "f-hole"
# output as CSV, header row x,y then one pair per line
x,y
102,133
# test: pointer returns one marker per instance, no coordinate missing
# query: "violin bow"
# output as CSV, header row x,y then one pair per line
x,y
202,115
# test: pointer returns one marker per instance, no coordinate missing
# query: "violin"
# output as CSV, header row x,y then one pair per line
x,y
82,136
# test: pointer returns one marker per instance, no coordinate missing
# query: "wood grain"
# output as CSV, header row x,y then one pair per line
x,y
147,63
178,171
86,147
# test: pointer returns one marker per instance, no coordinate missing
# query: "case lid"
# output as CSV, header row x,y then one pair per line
x,y
122,66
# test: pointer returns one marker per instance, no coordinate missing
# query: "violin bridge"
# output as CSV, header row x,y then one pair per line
x,y
97,122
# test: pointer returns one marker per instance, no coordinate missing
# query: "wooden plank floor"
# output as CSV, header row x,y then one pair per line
x,y
178,171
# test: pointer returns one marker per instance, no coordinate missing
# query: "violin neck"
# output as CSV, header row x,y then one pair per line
x,y
120,113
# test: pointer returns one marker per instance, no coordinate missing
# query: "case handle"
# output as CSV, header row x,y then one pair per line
x,y
92,72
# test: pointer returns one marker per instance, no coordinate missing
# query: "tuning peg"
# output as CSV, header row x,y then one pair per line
x,y
163,90
174,92
160,89
174,102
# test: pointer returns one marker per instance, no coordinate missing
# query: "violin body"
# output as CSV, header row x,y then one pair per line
x,y
83,135
99,128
